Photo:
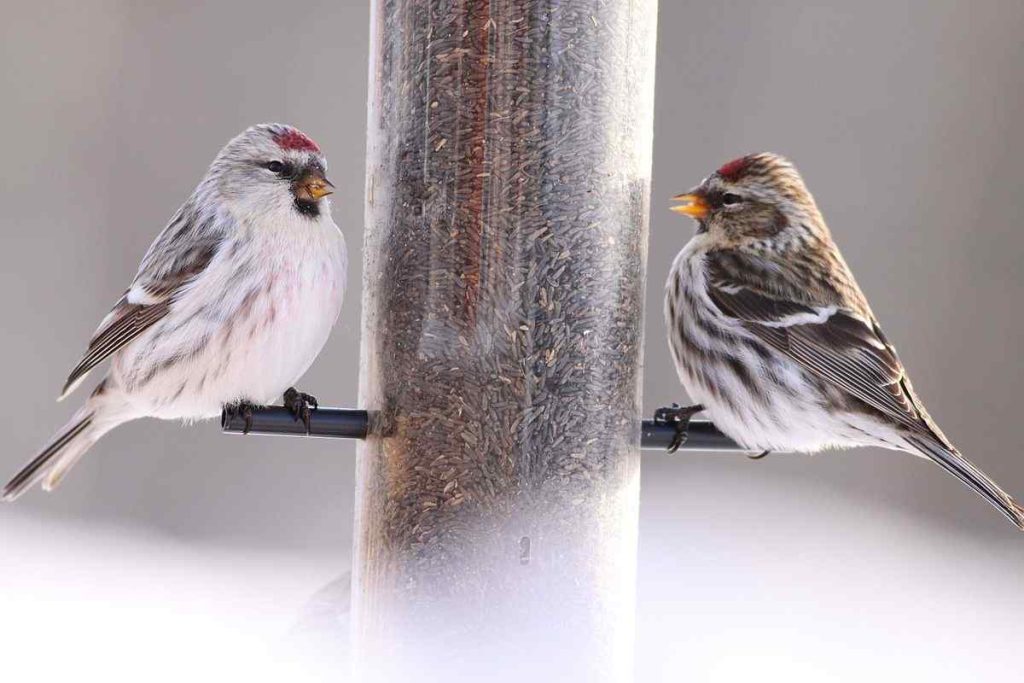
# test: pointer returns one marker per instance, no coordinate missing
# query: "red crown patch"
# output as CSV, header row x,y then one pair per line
x,y
734,169
293,139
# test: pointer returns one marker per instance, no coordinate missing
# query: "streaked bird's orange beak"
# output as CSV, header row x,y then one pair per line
x,y
694,205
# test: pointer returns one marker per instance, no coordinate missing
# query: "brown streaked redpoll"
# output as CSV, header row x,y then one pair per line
x,y
773,338
231,305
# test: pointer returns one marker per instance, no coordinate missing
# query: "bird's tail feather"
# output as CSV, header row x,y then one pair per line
x,y
963,469
97,417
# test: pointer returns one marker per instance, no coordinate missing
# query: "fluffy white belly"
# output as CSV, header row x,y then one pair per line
x,y
240,332
801,425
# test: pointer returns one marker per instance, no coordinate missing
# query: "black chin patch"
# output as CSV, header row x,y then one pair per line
x,y
307,207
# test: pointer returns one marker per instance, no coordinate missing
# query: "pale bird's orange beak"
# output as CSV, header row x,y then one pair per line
x,y
694,205
315,186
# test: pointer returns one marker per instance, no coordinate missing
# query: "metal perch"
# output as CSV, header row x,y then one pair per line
x,y
354,424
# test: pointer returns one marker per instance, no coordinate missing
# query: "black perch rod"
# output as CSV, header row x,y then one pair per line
x,y
354,424
327,422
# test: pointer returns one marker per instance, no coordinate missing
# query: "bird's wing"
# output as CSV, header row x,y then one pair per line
x,y
182,251
841,344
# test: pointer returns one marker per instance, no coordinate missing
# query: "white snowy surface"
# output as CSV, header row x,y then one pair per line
x,y
115,604
720,597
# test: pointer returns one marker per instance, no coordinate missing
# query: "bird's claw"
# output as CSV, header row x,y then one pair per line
x,y
242,409
679,416
300,405
759,455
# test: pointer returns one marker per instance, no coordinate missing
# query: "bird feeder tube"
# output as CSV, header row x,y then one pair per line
x,y
504,265
354,424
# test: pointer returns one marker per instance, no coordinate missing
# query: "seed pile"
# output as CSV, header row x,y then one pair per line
x,y
505,258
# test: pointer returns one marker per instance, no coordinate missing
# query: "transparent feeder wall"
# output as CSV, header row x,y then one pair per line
x,y
508,191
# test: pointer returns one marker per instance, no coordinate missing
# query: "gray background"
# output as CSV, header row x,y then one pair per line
x,y
904,118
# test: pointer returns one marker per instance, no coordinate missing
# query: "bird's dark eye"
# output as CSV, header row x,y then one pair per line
x,y
729,199
275,167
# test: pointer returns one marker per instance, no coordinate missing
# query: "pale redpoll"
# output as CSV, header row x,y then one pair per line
x,y
231,305
773,338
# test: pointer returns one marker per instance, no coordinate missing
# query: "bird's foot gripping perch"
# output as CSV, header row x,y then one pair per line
x,y
242,409
679,416
300,405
